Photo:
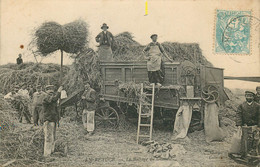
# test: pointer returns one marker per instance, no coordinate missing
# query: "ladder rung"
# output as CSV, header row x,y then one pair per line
x,y
148,87
145,115
148,94
144,136
146,104
145,125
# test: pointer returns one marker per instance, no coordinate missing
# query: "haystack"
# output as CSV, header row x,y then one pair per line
x,y
84,68
125,48
28,74
51,36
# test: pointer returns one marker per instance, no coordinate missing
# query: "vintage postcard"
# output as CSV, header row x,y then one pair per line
x,y
111,83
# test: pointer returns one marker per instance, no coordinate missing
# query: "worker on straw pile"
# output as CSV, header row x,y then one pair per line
x,y
11,95
89,107
37,105
20,103
105,40
19,60
154,60
50,118
248,114
257,95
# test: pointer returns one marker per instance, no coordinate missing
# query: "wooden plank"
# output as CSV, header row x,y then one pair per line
x,y
127,100
111,90
128,75
103,73
123,75
113,74
134,63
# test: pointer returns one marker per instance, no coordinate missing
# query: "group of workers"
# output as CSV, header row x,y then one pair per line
x,y
44,111
45,103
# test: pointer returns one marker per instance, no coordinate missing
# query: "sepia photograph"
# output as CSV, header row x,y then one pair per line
x,y
129,83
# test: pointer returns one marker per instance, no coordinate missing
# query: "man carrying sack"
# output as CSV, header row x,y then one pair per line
x,y
154,60
105,40
248,122
89,107
50,117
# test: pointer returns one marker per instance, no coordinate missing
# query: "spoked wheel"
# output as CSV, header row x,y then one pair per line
x,y
210,94
106,117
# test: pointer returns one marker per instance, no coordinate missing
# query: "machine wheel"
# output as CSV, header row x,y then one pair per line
x,y
210,94
106,117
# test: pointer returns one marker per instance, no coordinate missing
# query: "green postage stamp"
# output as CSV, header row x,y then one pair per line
x,y
232,34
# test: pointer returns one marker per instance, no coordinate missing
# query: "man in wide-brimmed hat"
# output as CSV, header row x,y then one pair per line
x,y
154,60
105,40
89,107
37,105
50,118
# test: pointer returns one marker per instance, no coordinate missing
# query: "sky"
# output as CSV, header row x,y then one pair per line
x,y
184,21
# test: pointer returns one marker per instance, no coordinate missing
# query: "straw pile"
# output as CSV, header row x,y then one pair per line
x,y
16,141
125,48
28,74
84,68
51,36
7,115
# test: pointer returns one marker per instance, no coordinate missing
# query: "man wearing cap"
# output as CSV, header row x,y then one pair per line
x,y
257,95
89,107
154,60
50,118
248,112
248,116
12,94
105,40
37,105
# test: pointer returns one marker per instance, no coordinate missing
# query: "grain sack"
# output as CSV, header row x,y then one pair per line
x,y
182,120
236,142
211,124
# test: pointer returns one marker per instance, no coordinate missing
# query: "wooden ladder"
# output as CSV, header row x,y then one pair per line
x,y
141,116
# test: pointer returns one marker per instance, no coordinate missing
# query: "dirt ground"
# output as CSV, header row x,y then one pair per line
x,y
118,148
